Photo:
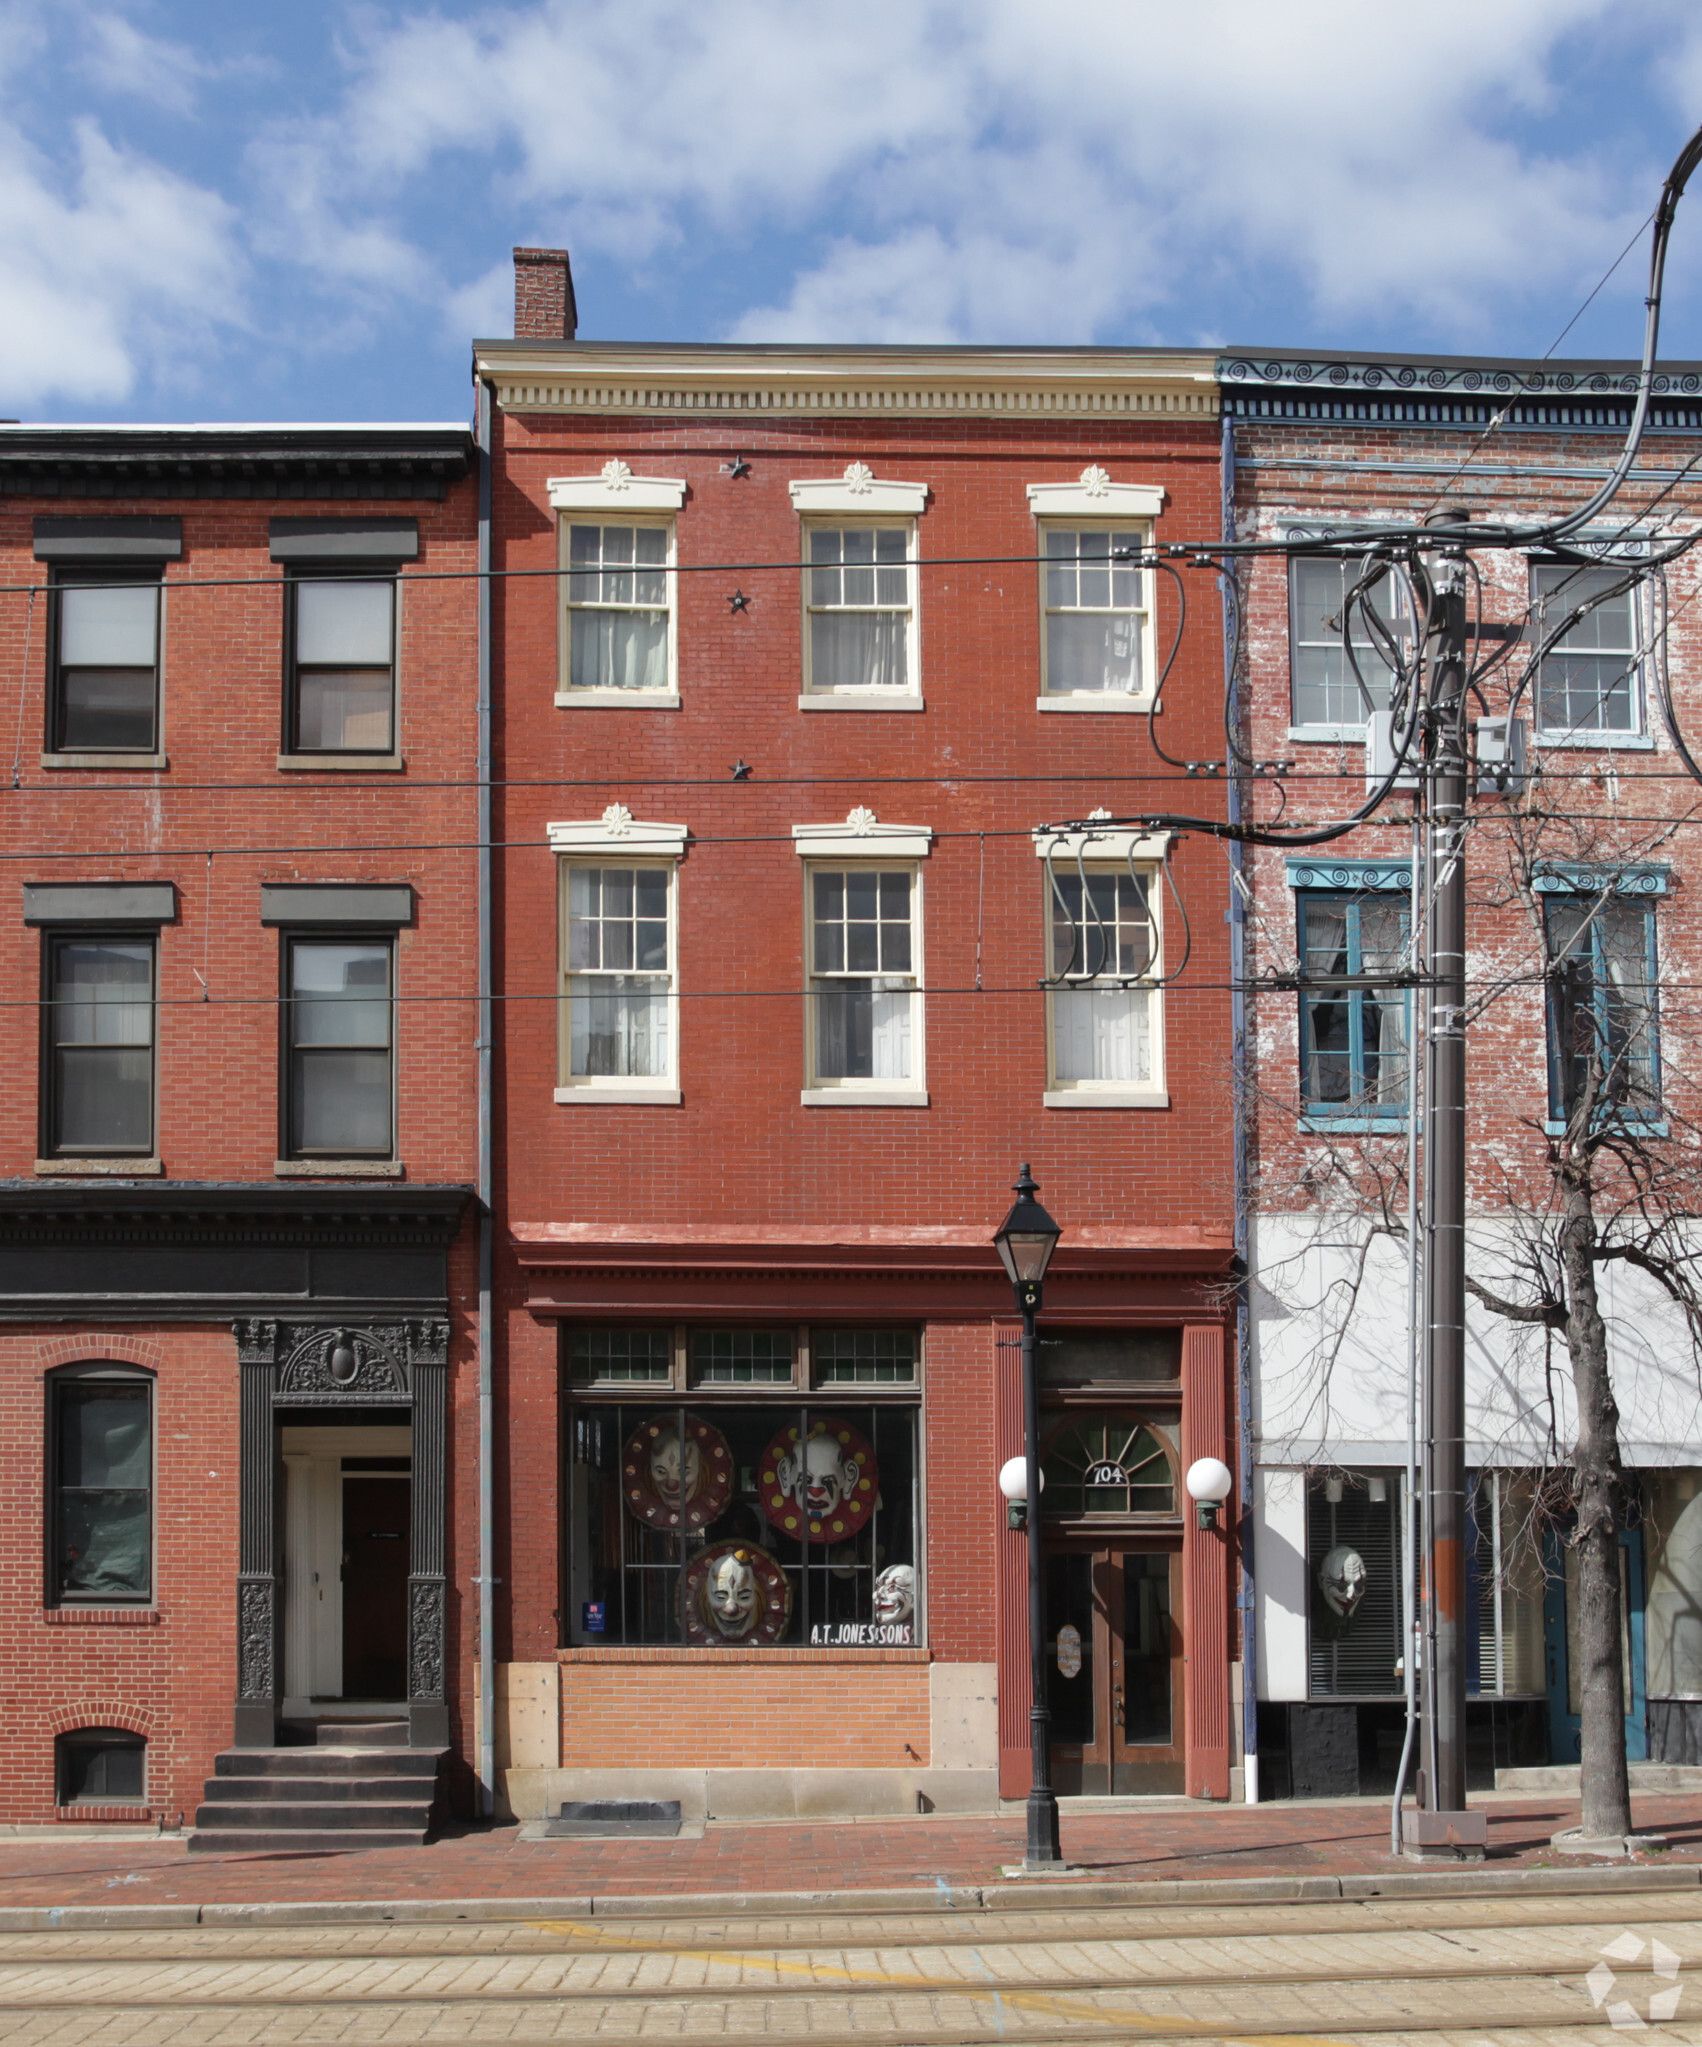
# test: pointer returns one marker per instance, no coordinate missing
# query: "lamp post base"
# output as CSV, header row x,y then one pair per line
x,y
1041,1851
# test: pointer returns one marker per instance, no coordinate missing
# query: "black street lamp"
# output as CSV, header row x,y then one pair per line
x,y
1026,1240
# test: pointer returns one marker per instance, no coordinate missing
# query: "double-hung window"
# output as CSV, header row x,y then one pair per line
x,y
860,598
104,693
1098,609
1589,684
865,980
619,618
618,951
1602,1022
1104,950
99,1044
101,1451
1353,1024
342,664
1333,692
338,1052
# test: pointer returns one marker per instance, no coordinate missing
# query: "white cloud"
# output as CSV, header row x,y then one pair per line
x,y
109,266
118,58
1003,169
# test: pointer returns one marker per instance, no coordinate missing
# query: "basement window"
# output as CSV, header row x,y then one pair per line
x,y
100,1766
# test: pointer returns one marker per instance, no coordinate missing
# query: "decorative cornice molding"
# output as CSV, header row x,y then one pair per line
x,y
803,382
1094,842
618,831
1381,875
858,490
1594,878
1095,496
862,837
615,488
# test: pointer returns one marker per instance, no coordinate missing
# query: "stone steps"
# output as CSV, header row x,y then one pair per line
x,y
357,1787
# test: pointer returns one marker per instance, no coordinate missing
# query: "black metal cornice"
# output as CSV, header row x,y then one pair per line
x,y
32,1212
1462,392
285,462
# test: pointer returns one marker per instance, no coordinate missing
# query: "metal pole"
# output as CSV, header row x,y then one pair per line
x,y
1445,1181
486,1763
1042,1801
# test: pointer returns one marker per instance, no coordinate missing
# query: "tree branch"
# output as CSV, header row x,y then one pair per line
x,y
1548,1313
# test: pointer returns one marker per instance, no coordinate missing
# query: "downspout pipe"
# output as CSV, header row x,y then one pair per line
x,y
1245,1595
487,1220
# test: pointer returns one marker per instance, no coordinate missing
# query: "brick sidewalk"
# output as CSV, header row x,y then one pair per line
x,y
1229,1841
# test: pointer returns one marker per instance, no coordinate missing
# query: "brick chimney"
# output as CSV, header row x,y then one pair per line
x,y
543,296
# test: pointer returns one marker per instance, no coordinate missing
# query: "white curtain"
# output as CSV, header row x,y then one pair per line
x,y
619,1026
858,650
619,650
1102,1034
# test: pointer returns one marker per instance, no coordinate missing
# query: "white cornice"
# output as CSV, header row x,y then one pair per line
x,y
1095,496
1098,842
618,831
862,837
1011,383
858,490
616,489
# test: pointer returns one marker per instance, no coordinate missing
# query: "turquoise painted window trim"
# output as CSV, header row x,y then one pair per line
x,y
1392,1125
1631,1126
1350,874
1586,878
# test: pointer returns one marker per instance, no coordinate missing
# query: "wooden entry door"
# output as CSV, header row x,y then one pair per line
x,y
375,1586
1117,1720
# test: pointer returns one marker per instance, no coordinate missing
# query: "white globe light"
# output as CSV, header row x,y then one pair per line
x,y
1208,1479
1013,1479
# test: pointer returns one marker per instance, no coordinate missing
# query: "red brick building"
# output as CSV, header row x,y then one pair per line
x,y
797,653
238,939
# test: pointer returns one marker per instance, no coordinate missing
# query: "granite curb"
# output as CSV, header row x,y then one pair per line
x,y
1259,1890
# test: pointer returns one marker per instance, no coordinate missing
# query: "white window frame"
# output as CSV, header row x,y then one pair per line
x,y
858,500
1093,501
1106,852
617,839
615,497
1638,738
1049,699
862,841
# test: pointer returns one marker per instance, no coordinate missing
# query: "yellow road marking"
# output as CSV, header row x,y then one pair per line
x,y
826,1973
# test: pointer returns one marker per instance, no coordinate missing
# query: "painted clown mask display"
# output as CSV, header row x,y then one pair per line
x,y
1342,1580
735,1595
823,1487
674,1479
895,1596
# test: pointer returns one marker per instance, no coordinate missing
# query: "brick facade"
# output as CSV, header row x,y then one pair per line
x,y
219,820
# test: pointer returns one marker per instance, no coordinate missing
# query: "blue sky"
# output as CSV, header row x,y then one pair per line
x,y
270,212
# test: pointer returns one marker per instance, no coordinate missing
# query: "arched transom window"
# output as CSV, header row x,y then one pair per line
x,y
1107,1464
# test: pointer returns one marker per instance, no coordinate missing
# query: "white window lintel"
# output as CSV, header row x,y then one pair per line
x,y
617,831
859,493
862,837
616,489
1094,496
1092,844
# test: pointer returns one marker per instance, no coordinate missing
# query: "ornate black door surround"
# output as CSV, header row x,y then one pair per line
x,y
296,1365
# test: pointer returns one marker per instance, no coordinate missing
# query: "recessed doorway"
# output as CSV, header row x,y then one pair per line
x,y
347,1497
1114,1671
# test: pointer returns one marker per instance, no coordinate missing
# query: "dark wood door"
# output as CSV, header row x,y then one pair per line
x,y
1115,1685
375,1587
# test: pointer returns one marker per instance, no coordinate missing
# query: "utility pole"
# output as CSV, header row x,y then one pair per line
x,y
1444,1827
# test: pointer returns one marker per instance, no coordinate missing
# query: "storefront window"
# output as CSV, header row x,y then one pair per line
x,y
715,1520
1506,1581
1673,1622
1352,1566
